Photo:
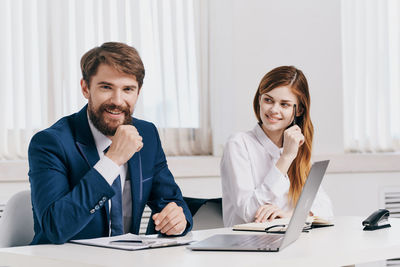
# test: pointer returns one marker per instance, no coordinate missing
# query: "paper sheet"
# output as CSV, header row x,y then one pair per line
x,y
132,242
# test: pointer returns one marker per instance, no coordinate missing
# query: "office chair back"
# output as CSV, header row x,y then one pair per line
x,y
16,223
207,213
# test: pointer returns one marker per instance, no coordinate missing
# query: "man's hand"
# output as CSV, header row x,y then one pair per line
x,y
171,220
269,212
125,143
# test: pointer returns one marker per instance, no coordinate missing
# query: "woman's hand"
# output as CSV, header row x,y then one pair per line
x,y
270,212
293,138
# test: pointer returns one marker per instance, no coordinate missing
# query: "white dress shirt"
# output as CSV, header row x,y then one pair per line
x,y
250,179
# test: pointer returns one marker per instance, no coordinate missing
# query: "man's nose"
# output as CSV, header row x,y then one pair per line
x,y
117,98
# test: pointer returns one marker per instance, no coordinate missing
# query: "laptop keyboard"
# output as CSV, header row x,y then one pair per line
x,y
259,241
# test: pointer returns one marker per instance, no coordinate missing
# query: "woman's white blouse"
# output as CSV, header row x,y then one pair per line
x,y
250,179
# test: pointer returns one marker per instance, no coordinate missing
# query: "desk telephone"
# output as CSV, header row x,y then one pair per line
x,y
377,220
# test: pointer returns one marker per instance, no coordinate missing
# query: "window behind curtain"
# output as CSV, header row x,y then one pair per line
x,y
371,71
43,41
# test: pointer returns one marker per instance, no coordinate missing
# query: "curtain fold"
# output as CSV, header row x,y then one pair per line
x,y
43,41
371,80
176,53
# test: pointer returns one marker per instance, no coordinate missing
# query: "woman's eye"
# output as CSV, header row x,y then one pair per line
x,y
285,105
268,100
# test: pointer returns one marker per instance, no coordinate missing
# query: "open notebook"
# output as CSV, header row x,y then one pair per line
x,y
275,225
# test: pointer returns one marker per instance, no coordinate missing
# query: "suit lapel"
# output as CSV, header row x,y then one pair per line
x,y
135,171
84,138
89,153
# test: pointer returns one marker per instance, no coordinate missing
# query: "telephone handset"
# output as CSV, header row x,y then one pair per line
x,y
377,220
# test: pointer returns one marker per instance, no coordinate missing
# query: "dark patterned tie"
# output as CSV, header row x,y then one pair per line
x,y
117,227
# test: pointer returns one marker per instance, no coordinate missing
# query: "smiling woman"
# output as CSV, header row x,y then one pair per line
x,y
263,171
43,41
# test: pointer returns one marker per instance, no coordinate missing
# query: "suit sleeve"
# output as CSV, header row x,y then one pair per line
x,y
164,189
62,211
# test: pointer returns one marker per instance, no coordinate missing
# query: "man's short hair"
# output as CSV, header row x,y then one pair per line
x,y
120,56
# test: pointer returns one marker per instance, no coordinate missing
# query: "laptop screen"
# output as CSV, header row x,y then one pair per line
x,y
305,202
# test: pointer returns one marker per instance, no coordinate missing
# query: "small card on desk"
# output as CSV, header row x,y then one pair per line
x,y
132,242
311,222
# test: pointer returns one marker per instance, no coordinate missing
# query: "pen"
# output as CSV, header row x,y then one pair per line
x,y
294,122
126,241
135,242
294,115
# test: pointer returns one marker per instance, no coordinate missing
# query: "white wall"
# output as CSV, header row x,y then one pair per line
x,y
359,194
250,37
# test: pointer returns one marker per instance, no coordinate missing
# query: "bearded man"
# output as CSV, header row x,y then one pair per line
x,y
93,172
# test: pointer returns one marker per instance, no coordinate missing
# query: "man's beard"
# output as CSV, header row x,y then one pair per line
x,y
96,116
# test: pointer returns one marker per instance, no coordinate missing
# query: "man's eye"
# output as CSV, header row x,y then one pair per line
x,y
129,89
106,87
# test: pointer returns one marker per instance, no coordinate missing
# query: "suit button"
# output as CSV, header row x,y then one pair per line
x,y
92,211
104,199
101,202
96,207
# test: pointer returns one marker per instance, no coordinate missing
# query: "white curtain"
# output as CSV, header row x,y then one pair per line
x,y
371,74
43,41
176,55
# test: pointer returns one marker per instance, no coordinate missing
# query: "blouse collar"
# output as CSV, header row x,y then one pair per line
x,y
269,146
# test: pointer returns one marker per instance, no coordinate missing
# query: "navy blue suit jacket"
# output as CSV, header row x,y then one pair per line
x,y
70,198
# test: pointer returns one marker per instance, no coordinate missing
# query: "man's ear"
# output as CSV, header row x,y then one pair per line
x,y
85,89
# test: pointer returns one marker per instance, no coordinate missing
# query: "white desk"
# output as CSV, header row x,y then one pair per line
x,y
343,244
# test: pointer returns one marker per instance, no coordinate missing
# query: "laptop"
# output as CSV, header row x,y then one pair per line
x,y
271,242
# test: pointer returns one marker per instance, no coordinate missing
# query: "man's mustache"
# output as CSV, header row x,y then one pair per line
x,y
113,107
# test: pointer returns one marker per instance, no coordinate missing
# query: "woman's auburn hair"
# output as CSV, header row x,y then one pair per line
x,y
294,79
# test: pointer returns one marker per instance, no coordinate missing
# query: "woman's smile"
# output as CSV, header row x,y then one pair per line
x,y
272,119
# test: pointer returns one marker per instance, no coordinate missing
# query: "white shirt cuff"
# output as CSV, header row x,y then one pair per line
x,y
108,169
